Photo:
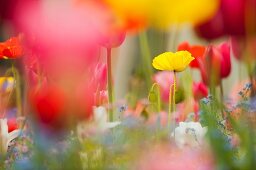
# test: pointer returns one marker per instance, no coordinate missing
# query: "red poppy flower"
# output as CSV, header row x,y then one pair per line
x,y
48,103
11,48
197,51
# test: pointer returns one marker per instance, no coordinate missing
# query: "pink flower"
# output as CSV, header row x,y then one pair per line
x,y
164,79
100,76
167,157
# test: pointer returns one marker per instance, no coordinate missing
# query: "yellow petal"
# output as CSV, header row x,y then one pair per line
x,y
172,61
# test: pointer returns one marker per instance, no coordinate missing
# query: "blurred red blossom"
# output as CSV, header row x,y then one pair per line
x,y
213,61
49,103
197,52
199,90
217,64
12,124
107,25
11,48
234,17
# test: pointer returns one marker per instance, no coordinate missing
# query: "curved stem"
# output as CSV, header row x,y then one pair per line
x,y
174,97
170,106
146,57
110,91
174,91
155,85
17,90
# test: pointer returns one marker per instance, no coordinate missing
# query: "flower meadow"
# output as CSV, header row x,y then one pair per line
x,y
127,84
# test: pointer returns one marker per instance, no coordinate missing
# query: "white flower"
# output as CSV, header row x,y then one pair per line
x,y
100,118
100,124
5,136
189,134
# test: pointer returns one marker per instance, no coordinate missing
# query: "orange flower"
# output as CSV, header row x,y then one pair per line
x,y
11,48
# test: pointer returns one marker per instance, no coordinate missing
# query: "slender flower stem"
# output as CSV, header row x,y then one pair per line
x,y
146,57
174,99
172,104
170,107
17,90
174,91
110,91
221,98
155,85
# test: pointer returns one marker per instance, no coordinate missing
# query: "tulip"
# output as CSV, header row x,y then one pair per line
x,y
12,124
199,90
220,63
232,18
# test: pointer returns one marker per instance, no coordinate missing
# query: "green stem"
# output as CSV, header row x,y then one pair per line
x,y
174,99
170,107
222,99
17,91
146,57
155,85
174,91
110,91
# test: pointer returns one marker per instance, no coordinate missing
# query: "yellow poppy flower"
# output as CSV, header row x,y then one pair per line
x,y
162,13
173,61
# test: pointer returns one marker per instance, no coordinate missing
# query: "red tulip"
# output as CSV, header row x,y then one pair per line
x,y
225,67
12,125
216,60
231,19
199,90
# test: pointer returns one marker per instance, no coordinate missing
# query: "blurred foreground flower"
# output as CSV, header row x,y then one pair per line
x,y
5,136
234,17
136,14
189,134
173,61
168,157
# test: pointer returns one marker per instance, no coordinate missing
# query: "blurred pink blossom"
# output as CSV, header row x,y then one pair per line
x,y
167,157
